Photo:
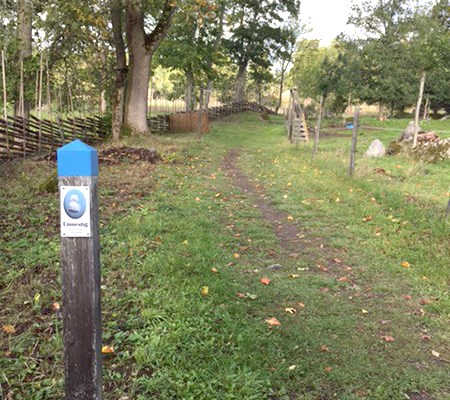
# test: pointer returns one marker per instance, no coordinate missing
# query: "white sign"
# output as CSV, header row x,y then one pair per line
x,y
75,211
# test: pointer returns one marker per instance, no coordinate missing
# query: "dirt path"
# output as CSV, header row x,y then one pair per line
x,y
286,231
290,234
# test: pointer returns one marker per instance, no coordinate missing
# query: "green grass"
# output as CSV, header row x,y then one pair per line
x,y
165,227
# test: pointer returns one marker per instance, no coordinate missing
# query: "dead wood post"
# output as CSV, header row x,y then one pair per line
x,y
354,137
5,98
200,113
80,262
317,133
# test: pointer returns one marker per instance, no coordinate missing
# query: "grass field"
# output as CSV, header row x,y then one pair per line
x,y
357,308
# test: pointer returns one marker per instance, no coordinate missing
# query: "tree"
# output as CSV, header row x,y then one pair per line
x,y
141,47
255,34
285,52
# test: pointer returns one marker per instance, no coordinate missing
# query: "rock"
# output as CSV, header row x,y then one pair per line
x,y
376,149
427,137
408,133
275,267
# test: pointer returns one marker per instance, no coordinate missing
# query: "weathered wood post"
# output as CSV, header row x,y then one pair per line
x,y
354,138
80,262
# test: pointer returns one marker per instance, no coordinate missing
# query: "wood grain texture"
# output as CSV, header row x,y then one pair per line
x,y
80,262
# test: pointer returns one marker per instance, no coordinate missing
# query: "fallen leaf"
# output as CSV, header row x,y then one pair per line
x,y
365,311
240,295
424,302
324,348
290,218
273,322
292,367
197,199
214,270
367,219
424,278
405,264
328,369
9,329
343,279
236,255
56,306
435,353
323,268
301,305
337,260
387,338
204,291
265,281
407,297
293,276
217,194
252,296
107,350
425,338
290,310
185,242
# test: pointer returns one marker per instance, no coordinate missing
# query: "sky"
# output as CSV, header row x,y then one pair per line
x,y
328,18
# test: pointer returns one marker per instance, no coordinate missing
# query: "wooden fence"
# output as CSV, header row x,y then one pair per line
x,y
20,137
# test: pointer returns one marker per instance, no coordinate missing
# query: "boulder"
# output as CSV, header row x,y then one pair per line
x,y
376,149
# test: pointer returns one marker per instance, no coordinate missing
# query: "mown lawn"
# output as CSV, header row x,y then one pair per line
x,y
361,295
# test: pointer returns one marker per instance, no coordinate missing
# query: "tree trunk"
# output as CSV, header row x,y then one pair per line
x,y
24,28
217,42
419,102
425,108
317,133
121,68
190,91
241,81
381,112
280,96
141,48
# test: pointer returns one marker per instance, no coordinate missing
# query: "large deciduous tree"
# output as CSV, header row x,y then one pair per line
x,y
255,34
141,47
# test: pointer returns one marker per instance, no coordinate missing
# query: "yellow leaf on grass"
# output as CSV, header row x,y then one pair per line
x,y
214,270
204,291
236,255
435,353
273,321
290,218
107,350
405,264
9,329
290,310
365,311
56,306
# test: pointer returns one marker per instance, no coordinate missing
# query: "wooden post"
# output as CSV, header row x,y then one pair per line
x,y
5,98
200,113
354,137
80,262
317,133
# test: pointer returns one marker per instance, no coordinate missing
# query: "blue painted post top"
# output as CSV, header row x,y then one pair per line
x,y
77,159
